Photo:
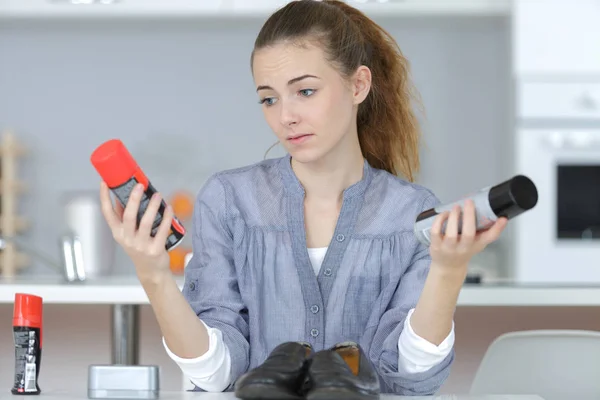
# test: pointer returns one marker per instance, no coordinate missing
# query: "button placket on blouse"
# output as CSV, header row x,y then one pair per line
x,y
315,322
337,247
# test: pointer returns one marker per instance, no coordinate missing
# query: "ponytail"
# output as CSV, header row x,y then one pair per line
x,y
388,130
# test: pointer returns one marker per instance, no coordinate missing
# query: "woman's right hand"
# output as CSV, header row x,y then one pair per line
x,y
147,253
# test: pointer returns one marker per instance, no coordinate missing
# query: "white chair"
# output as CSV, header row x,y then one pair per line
x,y
554,364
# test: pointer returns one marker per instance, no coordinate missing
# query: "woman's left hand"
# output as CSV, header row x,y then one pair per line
x,y
452,250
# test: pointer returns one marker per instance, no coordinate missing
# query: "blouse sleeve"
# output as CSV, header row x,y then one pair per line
x,y
211,285
384,340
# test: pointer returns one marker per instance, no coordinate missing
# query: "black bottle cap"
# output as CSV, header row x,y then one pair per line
x,y
513,197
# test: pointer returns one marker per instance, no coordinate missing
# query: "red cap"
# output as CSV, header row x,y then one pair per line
x,y
27,310
114,163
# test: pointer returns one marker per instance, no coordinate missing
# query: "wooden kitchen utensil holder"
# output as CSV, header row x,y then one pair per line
x,y
11,224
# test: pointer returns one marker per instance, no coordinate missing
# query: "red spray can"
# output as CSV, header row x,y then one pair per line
x,y
121,172
27,333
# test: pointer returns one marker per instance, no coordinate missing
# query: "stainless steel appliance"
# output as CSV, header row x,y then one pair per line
x,y
87,237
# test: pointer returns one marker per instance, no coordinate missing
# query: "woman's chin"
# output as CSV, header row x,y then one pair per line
x,y
305,156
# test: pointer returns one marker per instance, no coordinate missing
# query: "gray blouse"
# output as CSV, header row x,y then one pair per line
x,y
251,277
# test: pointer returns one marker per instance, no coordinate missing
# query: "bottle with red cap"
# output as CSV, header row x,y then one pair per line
x,y
27,332
120,171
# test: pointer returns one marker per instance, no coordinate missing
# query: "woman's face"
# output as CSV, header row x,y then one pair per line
x,y
306,102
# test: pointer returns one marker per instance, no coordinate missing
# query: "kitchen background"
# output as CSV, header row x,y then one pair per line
x,y
179,93
181,97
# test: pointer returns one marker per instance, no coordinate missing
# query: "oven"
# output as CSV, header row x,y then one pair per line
x,y
558,147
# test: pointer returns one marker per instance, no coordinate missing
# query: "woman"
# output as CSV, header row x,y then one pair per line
x,y
318,246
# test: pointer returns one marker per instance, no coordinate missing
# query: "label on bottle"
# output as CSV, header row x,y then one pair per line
x,y
27,360
123,193
484,215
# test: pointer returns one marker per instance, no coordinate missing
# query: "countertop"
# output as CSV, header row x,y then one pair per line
x,y
66,395
127,290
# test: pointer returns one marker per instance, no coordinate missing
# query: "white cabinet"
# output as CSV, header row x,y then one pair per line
x,y
391,7
253,7
107,8
234,8
556,37
559,100
432,7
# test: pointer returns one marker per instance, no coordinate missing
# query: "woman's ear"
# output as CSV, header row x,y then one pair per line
x,y
361,84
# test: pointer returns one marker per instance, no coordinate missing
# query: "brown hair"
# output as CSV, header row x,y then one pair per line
x,y
388,130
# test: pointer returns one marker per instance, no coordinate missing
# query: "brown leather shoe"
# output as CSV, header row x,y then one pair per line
x,y
342,373
280,377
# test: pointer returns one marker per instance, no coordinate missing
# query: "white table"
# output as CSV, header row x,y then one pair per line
x,y
127,290
66,395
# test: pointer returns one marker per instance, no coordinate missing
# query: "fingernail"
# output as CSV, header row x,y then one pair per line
x,y
139,187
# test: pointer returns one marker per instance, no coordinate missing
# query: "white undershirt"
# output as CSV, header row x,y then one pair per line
x,y
317,255
211,371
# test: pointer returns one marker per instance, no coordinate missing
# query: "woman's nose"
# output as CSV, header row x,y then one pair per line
x,y
288,115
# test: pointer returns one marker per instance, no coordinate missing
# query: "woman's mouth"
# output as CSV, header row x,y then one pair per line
x,y
297,139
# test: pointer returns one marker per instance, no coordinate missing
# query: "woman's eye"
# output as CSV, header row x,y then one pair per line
x,y
269,101
307,92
